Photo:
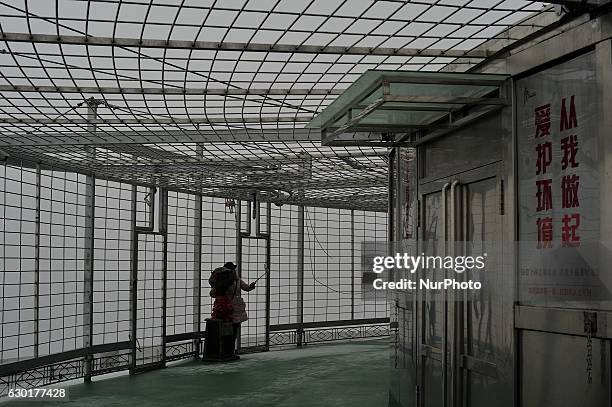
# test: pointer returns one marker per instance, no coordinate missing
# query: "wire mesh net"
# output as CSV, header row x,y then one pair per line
x,y
213,97
43,274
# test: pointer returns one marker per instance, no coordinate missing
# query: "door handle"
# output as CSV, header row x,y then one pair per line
x,y
457,221
459,199
445,229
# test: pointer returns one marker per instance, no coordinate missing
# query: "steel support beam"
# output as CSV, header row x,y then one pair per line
x,y
40,137
238,215
133,281
399,187
168,90
268,234
161,156
163,229
144,156
197,268
352,264
315,185
373,201
390,198
300,276
156,121
88,276
233,46
571,4
37,264
445,100
478,114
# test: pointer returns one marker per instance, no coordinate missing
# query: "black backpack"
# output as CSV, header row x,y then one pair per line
x,y
221,279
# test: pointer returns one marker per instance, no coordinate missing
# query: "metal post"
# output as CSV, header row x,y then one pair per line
x,y
152,195
300,277
397,196
446,227
88,276
197,266
248,218
163,228
268,262
451,297
391,185
197,276
133,283
90,187
391,207
257,217
239,253
37,265
352,264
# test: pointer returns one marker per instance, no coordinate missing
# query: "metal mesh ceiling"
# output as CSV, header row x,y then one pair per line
x,y
213,96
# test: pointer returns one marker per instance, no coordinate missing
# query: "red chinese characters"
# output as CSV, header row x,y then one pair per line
x,y
544,194
543,186
542,121
569,147
545,232
544,152
569,191
568,116
569,230
570,181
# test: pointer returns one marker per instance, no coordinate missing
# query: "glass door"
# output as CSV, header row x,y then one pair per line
x,y
463,332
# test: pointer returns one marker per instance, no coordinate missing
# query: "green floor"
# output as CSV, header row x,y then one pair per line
x,y
347,374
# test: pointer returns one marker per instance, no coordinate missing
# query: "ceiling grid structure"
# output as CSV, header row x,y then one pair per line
x,y
214,96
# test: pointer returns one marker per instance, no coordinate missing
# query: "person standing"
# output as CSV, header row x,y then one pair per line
x,y
238,313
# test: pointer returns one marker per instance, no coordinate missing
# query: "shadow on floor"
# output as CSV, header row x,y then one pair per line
x,y
332,375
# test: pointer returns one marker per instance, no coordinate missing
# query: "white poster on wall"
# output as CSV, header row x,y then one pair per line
x,y
559,200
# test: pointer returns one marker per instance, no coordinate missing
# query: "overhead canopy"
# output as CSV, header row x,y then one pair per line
x,y
390,107
212,97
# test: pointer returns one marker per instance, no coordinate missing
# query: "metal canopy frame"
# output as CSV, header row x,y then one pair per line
x,y
237,81
396,108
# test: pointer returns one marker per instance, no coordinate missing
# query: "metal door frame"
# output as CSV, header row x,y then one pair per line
x,y
137,231
452,187
254,216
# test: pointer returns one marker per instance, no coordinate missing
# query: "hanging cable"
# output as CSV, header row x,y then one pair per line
x,y
312,266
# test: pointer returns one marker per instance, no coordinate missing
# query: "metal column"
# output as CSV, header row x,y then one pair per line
x,y
391,206
163,229
398,196
37,265
238,214
197,266
391,202
133,283
88,275
352,264
268,267
197,276
445,242
90,188
300,277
